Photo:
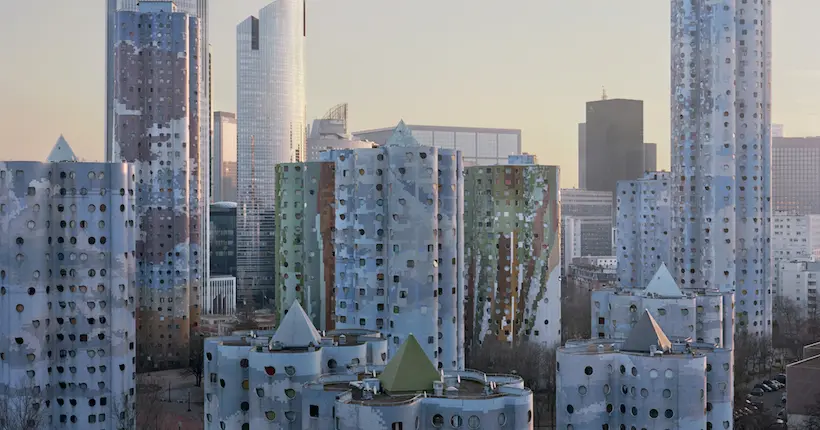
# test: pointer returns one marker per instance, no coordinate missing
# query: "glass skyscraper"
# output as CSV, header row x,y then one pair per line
x,y
270,130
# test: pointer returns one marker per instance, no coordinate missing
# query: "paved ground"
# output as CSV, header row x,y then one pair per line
x,y
175,386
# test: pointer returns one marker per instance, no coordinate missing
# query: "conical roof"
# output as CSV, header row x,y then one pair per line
x,y
61,152
645,334
296,330
402,136
410,370
662,284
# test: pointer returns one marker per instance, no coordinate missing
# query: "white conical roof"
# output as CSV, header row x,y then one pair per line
x,y
402,136
61,152
296,330
662,284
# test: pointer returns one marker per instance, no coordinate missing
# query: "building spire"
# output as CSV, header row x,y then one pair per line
x,y
603,93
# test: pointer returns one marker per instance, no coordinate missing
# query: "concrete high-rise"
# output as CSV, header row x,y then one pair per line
x,y
613,143
399,244
157,127
796,174
513,253
270,102
305,269
224,149
721,152
643,228
67,292
229,181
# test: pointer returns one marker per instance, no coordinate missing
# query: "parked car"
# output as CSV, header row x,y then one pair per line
x,y
773,384
781,378
783,398
763,387
757,391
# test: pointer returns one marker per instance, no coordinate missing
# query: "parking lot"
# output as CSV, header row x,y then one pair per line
x,y
770,403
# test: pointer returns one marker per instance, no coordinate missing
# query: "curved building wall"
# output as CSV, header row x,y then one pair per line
x,y
306,212
245,383
157,127
512,233
643,228
600,387
67,287
395,223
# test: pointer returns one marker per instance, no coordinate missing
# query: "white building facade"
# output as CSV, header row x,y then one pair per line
x,y
795,236
721,152
643,218
399,244
270,130
330,132
68,292
796,281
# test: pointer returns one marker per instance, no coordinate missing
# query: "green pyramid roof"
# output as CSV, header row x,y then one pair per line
x,y
410,370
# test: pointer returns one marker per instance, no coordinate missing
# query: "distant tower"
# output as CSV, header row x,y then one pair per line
x,y
271,109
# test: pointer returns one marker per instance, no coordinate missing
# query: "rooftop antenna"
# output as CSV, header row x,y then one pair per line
x,y
603,95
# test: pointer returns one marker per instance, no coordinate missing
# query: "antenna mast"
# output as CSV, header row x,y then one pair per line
x,y
603,95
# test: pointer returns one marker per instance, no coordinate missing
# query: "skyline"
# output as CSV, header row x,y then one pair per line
x,y
521,88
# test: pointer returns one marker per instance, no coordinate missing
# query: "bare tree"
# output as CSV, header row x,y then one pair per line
x,y
196,366
759,419
21,407
150,412
575,310
534,363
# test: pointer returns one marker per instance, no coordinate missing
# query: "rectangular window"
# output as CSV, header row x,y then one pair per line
x,y
314,411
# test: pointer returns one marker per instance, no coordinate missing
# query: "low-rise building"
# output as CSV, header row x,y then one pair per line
x,y
256,379
409,393
796,280
644,381
296,378
803,402
795,235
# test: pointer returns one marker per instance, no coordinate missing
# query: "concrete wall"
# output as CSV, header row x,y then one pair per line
x,y
399,245
512,248
157,127
67,288
306,214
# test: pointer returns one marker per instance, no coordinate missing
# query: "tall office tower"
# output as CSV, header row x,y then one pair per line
x,y
270,130
478,146
613,143
67,292
305,268
224,148
721,152
513,253
582,156
330,132
643,228
796,174
399,244
157,127
650,157
592,212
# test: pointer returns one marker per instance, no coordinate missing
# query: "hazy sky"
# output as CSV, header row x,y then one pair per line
x,y
528,64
